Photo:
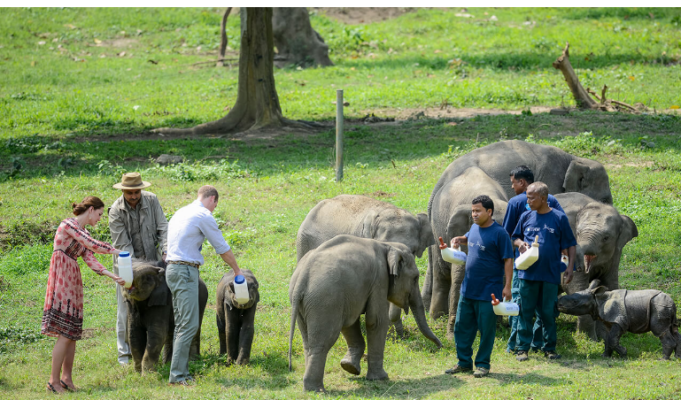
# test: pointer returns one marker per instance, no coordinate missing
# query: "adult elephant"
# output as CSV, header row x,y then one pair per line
x,y
450,217
562,172
601,233
337,282
365,217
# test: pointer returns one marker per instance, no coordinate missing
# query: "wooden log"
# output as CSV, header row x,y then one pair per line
x,y
581,96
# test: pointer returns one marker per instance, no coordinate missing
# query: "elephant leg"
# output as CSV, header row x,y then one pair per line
x,y
232,332
677,338
246,336
320,337
439,301
137,336
427,290
586,324
355,340
377,330
395,314
458,273
155,341
168,346
220,322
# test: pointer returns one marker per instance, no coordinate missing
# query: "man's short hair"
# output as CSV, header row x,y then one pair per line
x,y
523,172
486,202
540,188
207,191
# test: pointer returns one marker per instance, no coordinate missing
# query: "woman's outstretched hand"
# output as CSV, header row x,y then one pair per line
x,y
118,280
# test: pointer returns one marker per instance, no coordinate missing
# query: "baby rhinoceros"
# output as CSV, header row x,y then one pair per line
x,y
236,321
635,311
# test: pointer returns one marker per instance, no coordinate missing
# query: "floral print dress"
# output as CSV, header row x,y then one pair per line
x,y
63,310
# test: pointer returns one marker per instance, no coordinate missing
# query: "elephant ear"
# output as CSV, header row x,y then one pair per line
x,y
426,237
460,222
395,260
628,232
594,284
369,225
574,176
159,296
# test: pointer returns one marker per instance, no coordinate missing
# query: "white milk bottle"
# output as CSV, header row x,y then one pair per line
x,y
504,307
451,255
240,289
529,257
125,268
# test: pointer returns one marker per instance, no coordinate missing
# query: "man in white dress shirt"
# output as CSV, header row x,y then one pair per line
x,y
187,230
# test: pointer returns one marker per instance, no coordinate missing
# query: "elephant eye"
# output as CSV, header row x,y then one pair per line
x,y
606,238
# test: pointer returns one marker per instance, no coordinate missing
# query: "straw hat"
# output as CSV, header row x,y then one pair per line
x,y
132,181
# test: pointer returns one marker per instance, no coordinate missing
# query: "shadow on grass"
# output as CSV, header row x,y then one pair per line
x,y
403,388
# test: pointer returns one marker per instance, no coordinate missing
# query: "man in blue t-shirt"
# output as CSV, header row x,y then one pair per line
x,y
521,178
490,256
538,284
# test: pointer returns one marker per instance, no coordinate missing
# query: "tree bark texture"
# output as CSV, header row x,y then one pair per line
x,y
257,103
297,43
223,37
581,96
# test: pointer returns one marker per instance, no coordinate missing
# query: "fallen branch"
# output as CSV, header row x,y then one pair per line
x,y
619,103
223,37
212,61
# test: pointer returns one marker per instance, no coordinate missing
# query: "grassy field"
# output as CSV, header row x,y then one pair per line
x,y
68,120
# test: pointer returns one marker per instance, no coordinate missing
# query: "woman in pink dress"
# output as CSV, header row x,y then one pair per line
x,y
63,310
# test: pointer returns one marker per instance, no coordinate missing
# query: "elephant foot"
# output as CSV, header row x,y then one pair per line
x,y
450,331
316,389
242,361
377,376
398,329
621,350
349,366
606,355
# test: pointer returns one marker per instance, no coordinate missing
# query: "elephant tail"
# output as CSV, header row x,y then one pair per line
x,y
294,315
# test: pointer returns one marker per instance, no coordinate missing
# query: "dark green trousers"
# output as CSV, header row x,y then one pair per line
x,y
473,316
542,297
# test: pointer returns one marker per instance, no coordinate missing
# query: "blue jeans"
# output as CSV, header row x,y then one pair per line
x,y
473,316
183,282
537,330
537,297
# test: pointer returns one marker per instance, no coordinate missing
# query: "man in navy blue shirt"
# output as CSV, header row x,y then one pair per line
x,y
538,284
490,256
521,178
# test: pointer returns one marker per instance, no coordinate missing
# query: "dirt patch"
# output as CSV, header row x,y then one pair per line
x,y
645,164
382,195
122,43
362,15
447,112
89,333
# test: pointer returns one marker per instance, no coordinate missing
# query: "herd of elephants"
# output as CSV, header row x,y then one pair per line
x,y
356,255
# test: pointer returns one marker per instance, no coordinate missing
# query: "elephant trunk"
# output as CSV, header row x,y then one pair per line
x,y
416,305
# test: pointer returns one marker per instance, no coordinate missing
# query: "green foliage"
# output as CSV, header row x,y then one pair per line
x,y
202,171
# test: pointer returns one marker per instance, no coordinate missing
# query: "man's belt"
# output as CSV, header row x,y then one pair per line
x,y
191,264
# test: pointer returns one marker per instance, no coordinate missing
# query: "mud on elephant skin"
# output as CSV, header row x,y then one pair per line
x,y
635,311
236,322
451,216
150,319
365,217
601,233
562,172
337,282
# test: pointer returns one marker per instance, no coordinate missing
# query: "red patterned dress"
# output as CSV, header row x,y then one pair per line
x,y
63,310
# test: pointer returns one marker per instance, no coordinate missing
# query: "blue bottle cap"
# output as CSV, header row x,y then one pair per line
x,y
239,279
124,254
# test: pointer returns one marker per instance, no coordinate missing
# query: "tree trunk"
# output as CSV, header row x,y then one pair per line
x,y
581,96
297,43
257,103
223,37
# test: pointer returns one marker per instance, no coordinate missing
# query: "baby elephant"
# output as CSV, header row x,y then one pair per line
x,y
635,311
236,321
150,319
337,282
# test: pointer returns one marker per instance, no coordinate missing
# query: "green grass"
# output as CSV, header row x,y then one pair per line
x,y
418,60
52,113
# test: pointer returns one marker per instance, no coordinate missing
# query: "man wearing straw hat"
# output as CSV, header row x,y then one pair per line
x,y
139,226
